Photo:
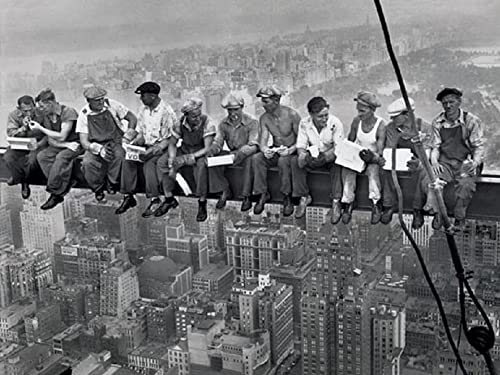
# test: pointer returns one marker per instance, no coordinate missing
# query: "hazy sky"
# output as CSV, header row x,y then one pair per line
x,y
31,26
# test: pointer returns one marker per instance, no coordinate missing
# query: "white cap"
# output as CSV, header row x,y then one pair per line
x,y
398,106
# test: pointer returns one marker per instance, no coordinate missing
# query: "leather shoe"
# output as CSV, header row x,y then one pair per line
x,y
347,214
437,221
128,202
11,181
259,207
387,213
111,189
336,212
302,208
225,196
418,219
246,204
25,190
53,201
150,210
376,214
202,211
166,205
287,206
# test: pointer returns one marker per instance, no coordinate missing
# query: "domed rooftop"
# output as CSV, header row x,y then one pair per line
x,y
158,267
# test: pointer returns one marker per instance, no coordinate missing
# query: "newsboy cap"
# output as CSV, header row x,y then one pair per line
x,y
368,98
268,91
94,92
148,87
399,106
46,94
232,100
448,91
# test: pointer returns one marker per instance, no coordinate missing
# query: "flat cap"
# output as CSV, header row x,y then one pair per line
x,y
399,106
46,94
148,87
448,91
368,98
94,92
191,104
232,100
268,91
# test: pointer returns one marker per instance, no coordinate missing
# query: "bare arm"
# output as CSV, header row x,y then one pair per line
x,y
264,134
57,136
295,126
380,139
131,119
207,143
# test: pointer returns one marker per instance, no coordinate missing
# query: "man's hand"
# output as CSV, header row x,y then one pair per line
x,y
33,125
381,161
182,160
212,151
106,153
413,164
319,161
268,153
73,146
367,155
469,167
437,169
238,157
129,136
283,151
302,159
246,150
330,155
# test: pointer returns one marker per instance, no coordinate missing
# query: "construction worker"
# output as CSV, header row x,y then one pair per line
x,y
240,132
317,139
101,132
367,130
282,123
155,121
197,132
457,153
56,160
397,133
23,164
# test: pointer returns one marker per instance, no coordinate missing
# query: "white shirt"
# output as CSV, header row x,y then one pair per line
x,y
328,138
117,109
156,125
368,140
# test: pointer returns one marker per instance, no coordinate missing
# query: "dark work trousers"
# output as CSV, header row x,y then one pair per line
x,y
96,169
57,165
218,180
199,171
299,177
260,166
128,184
21,164
389,197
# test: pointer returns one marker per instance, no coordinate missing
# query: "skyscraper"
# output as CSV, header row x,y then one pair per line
x,y
186,248
119,288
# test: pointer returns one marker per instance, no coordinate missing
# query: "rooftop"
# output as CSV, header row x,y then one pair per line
x,y
212,271
19,309
151,350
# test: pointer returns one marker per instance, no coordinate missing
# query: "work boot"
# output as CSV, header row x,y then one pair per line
x,y
111,188
437,221
259,207
225,196
302,207
202,211
246,204
347,214
53,201
387,213
336,211
376,214
152,207
11,181
128,202
25,190
99,195
167,205
287,205
418,219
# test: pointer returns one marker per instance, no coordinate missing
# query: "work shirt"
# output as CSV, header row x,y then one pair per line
x,y
118,112
245,133
156,124
15,123
471,129
63,114
326,139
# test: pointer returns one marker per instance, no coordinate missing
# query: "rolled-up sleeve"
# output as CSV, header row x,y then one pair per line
x,y
435,140
476,138
253,133
12,125
82,123
210,128
302,138
219,135
338,132
141,125
169,125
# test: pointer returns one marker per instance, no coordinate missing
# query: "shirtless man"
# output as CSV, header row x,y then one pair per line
x,y
282,123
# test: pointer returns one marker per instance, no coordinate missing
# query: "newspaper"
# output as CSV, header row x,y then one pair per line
x,y
348,156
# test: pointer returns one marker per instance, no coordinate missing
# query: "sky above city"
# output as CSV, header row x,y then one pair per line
x,y
37,26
